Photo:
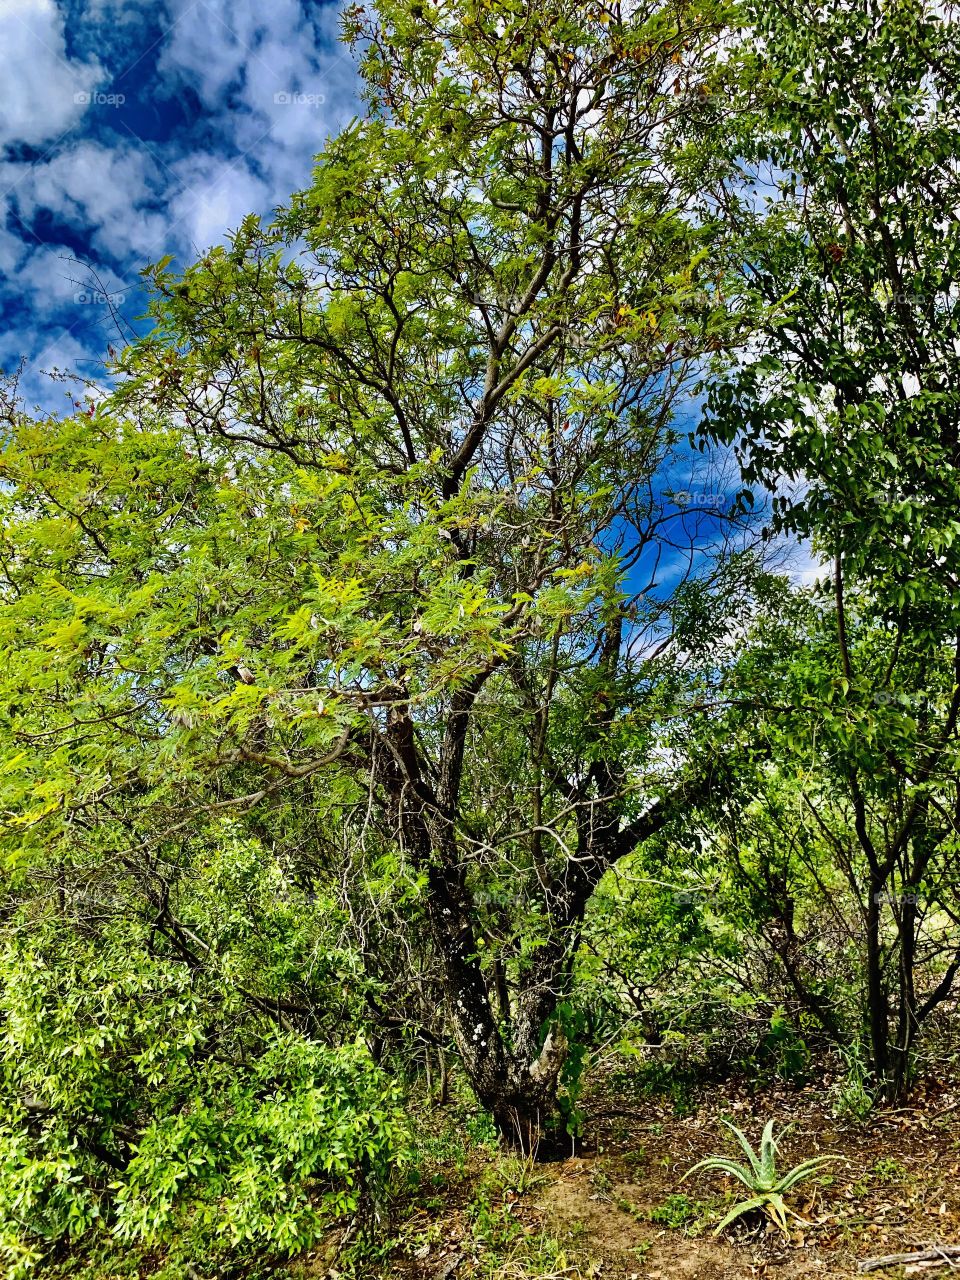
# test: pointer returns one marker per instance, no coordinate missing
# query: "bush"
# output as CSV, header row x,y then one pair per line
x,y
140,1097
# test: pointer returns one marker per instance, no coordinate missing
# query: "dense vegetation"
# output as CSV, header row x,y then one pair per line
x,y
403,678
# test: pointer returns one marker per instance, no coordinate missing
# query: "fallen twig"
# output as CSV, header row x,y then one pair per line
x,y
941,1253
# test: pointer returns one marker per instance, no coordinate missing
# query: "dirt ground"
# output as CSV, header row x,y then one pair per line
x,y
894,1188
620,1211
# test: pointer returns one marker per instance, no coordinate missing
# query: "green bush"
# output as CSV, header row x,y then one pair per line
x,y
139,1097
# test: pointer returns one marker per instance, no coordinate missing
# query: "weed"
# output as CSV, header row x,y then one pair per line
x,y
852,1099
887,1169
677,1211
519,1174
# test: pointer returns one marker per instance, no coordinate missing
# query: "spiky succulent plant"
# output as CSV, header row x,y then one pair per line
x,y
761,1178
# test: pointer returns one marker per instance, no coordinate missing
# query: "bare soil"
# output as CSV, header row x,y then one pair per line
x,y
894,1187
613,1210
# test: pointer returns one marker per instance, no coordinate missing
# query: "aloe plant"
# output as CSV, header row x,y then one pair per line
x,y
766,1185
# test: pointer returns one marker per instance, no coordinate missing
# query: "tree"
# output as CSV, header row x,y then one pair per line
x,y
847,845
369,530
847,149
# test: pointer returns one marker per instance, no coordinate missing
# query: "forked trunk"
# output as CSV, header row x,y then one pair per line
x,y
524,1103
514,1076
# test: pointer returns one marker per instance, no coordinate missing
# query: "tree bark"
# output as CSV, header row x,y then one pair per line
x,y
877,1008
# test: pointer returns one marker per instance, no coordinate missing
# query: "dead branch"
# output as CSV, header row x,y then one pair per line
x,y
940,1254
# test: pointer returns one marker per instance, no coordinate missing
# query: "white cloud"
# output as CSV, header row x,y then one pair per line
x,y
245,46
278,82
106,191
59,349
49,283
216,195
43,273
45,93
804,567
273,81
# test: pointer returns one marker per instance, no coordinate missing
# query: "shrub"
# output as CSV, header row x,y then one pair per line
x,y
141,1098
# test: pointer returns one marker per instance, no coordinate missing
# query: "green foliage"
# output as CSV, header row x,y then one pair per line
x,y
845,410
333,563
368,692
848,247
852,1096
767,1187
572,1023
677,1211
133,1100
503,1243
786,1048
888,1170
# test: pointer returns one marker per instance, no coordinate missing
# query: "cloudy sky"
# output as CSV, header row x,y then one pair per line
x,y
135,128
131,129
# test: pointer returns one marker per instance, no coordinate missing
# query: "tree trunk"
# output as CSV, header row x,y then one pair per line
x,y
907,1019
524,1103
513,1074
511,1044
877,1008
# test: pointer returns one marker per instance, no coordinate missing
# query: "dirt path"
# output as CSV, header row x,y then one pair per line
x,y
621,1210
895,1186
618,1243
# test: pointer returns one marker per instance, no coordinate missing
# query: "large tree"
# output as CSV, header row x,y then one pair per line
x,y
368,536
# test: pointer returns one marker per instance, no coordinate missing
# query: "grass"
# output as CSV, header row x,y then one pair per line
x,y
678,1211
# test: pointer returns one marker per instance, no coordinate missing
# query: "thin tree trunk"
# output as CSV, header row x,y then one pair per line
x,y
444,1094
907,1014
877,1008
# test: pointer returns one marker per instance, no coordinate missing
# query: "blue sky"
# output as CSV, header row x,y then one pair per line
x,y
130,129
